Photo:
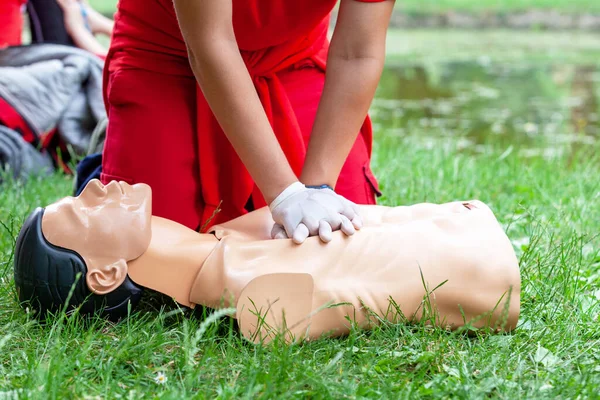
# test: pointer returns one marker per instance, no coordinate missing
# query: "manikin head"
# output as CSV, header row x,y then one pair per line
x,y
94,234
106,225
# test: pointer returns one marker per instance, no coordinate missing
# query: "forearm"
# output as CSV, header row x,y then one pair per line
x,y
348,93
104,25
228,89
354,66
86,41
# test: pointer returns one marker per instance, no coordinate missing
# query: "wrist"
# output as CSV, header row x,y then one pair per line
x,y
274,186
317,172
317,179
289,191
325,186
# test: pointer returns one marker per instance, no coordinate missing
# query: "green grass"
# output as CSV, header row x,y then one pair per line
x,y
548,206
431,46
428,6
497,5
104,6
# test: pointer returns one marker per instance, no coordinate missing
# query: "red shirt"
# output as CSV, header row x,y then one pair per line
x,y
11,22
143,26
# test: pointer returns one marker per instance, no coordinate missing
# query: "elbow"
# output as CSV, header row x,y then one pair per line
x,y
366,65
364,52
202,61
193,57
197,56
208,56
373,60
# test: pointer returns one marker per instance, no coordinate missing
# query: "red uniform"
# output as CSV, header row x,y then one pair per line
x,y
162,132
11,22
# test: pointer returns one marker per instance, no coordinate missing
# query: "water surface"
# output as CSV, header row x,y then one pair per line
x,y
538,105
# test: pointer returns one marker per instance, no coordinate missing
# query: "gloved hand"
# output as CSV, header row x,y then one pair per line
x,y
300,212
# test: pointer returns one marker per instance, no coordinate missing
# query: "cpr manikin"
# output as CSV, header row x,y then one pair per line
x,y
454,257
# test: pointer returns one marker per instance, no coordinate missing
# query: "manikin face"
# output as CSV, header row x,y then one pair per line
x,y
107,225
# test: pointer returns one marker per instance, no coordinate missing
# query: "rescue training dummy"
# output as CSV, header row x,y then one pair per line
x,y
105,246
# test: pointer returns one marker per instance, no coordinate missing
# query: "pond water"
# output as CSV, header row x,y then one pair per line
x,y
540,107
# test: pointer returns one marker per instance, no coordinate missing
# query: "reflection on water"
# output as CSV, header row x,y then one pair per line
x,y
535,106
584,114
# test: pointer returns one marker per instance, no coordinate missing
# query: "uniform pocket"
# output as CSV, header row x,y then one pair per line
x,y
372,181
118,89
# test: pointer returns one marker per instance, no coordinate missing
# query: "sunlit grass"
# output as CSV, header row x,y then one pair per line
x,y
431,46
428,6
548,202
549,208
498,5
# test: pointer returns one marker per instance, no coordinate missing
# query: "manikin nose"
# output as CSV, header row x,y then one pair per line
x,y
114,187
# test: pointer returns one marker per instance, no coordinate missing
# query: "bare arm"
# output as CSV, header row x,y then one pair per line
x,y
75,25
354,67
86,41
215,58
98,22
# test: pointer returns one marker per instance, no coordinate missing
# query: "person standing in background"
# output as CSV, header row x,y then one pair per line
x,y
66,22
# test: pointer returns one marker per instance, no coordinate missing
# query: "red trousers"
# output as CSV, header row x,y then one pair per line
x,y
152,139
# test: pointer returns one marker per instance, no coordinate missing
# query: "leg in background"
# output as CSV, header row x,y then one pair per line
x,y
151,138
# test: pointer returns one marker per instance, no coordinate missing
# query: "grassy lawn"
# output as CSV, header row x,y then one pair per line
x,y
498,5
592,6
430,46
548,206
547,200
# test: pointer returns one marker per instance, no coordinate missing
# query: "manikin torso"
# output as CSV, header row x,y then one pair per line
x,y
398,253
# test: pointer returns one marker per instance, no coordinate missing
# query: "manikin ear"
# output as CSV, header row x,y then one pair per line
x,y
106,278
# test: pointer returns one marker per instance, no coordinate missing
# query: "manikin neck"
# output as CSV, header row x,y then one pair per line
x,y
173,260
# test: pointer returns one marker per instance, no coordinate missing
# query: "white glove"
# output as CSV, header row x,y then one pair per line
x,y
300,212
